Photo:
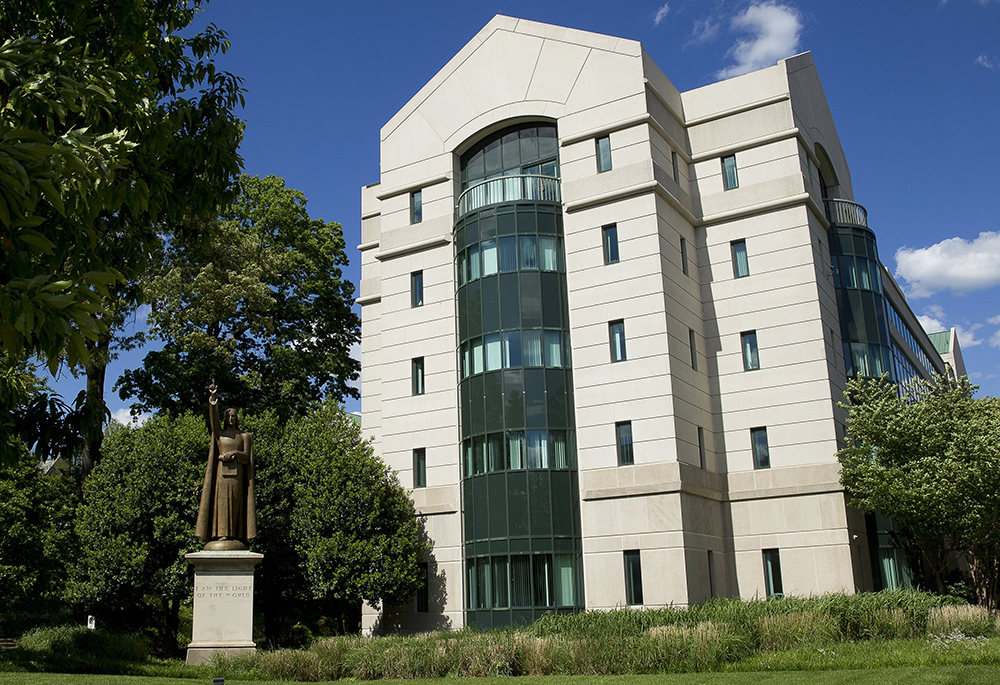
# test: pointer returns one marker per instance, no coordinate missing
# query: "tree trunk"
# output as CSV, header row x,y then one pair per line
x,y
985,565
94,408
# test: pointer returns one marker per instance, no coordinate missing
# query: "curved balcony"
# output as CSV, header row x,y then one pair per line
x,y
846,213
514,188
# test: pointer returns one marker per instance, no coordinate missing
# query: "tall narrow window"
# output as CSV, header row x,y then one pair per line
x,y
761,452
623,443
702,452
616,333
748,342
419,468
741,267
675,165
684,257
729,179
694,349
417,376
423,593
609,236
416,207
772,573
603,154
417,289
711,574
633,578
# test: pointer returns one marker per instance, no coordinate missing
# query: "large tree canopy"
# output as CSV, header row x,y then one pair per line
x,y
110,122
256,300
931,461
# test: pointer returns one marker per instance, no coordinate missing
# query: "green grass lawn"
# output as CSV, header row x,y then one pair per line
x,y
931,675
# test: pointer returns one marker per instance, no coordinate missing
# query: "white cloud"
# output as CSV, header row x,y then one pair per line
x,y
933,321
123,416
703,31
954,264
931,325
774,34
661,14
994,320
995,339
967,336
985,60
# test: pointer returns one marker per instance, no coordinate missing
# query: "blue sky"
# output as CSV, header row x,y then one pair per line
x,y
914,88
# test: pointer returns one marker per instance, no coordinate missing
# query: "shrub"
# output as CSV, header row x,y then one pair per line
x,y
971,621
77,642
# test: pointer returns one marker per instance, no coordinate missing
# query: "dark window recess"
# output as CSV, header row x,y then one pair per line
x,y
748,343
694,349
417,289
761,452
417,376
623,443
609,237
423,591
603,154
416,207
729,177
633,578
741,267
772,573
702,452
684,257
675,165
419,468
711,574
616,335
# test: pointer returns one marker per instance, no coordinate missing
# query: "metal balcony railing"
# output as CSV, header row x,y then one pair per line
x,y
845,212
530,187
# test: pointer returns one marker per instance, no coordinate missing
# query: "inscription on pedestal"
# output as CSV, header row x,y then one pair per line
x,y
222,591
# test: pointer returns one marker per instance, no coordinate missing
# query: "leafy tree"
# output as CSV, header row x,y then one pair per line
x,y
334,524
111,124
37,544
137,522
256,300
931,461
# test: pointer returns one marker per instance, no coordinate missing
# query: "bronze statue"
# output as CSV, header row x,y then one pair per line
x,y
226,517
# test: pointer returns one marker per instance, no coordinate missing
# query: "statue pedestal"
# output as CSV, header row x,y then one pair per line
x,y
223,604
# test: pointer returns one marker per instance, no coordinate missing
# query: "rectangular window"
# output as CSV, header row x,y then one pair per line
x,y
609,236
748,342
416,207
616,333
603,154
417,289
623,442
633,578
741,267
772,573
419,468
694,349
417,376
675,165
761,453
684,257
423,593
729,179
702,453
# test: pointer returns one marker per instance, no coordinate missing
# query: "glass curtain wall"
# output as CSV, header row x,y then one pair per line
x,y
520,492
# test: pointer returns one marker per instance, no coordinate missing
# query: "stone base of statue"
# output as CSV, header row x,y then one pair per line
x,y
223,604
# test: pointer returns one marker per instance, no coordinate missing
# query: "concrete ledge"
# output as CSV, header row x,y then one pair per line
x,y
198,656
413,247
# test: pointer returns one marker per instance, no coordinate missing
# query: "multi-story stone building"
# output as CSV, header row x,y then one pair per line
x,y
605,329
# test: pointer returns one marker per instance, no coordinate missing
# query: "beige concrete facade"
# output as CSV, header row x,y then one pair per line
x,y
679,515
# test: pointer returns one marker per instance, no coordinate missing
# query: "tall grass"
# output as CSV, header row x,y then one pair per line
x,y
709,636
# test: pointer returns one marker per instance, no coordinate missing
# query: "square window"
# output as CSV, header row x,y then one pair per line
x,y
419,468
609,236
416,207
741,267
702,453
675,165
694,349
729,178
417,376
417,289
633,577
603,154
684,257
623,443
772,573
423,591
616,333
761,453
748,342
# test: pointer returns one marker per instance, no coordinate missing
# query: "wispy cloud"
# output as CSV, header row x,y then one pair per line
x,y
985,60
703,31
955,264
123,416
661,14
933,320
773,30
994,320
995,339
